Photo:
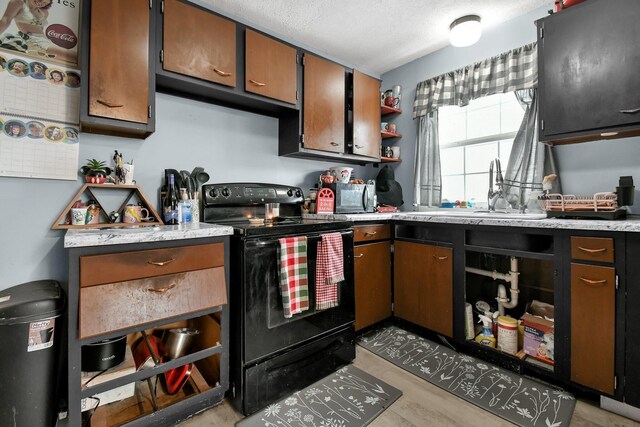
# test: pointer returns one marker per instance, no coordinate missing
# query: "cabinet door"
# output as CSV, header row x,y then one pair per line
x,y
587,81
593,326
270,68
437,298
410,278
323,104
199,44
119,60
366,115
372,283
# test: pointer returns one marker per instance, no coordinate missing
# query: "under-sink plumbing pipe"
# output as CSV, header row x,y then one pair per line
x,y
511,277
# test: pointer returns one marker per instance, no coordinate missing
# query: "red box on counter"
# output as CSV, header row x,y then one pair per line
x,y
325,201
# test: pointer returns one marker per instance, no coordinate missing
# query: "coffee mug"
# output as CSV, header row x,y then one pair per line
x,y
135,213
391,127
78,216
395,150
383,126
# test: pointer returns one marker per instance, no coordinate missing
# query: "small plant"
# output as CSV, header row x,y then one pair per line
x,y
95,171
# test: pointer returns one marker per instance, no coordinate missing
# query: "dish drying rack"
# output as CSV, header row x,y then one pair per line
x,y
601,205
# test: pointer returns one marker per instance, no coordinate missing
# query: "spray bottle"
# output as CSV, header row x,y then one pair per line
x,y
486,336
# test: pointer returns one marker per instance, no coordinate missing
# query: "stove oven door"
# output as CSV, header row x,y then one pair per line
x,y
266,330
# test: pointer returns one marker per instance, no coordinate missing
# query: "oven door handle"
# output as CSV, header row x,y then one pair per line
x,y
274,242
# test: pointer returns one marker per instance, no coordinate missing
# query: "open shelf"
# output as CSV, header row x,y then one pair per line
x,y
529,361
545,256
389,160
386,135
384,110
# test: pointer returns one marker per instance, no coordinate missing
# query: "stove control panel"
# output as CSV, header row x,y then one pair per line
x,y
246,194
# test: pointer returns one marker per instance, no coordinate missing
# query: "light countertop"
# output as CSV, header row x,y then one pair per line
x,y
631,224
160,233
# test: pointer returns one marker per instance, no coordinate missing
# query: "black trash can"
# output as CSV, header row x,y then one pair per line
x,y
30,333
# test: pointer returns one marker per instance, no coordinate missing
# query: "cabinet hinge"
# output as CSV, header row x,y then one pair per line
x,y
297,58
615,382
392,307
150,4
302,138
616,282
162,55
297,95
303,60
149,110
541,124
162,6
541,32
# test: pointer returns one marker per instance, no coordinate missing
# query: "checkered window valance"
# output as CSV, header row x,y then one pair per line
x,y
507,72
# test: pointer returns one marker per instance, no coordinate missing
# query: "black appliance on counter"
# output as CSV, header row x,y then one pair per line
x,y
271,356
353,198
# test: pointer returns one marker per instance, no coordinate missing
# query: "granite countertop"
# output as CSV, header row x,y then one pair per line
x,y
159,233
631,224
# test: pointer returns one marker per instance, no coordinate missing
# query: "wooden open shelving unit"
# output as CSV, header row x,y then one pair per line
x,y
389,160
384,110
60,224
386,135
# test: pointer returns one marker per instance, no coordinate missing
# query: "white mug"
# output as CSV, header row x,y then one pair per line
x,y
395,150
78,216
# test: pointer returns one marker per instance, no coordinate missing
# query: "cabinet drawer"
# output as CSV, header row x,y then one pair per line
x,y
119,267
116,306
592,249
367,233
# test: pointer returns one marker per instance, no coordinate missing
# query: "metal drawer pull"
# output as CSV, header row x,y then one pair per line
x,y
162,290
633,111
592,251
109,104
221,73
335,144
161,263
593,282
359,146
440,258
370,233
358,256
257,83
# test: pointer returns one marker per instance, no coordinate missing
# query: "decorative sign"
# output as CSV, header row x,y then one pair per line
x,y
42,29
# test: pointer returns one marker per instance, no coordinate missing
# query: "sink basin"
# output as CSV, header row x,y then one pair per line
x,y
482,214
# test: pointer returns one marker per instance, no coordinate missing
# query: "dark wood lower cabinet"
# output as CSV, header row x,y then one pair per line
x,y
593,319
423,285
372,263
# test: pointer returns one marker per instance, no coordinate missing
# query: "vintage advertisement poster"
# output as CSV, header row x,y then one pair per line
x,y
41,29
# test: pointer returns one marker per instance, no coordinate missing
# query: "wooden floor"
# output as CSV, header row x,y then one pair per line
x,y
422,404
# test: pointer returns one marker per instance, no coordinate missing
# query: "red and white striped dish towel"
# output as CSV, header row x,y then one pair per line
x,y
329,270
294,282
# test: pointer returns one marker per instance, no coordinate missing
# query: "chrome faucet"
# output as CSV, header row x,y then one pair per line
x,y
495,195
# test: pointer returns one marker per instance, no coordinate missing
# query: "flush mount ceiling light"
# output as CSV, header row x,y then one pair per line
x,y
465,31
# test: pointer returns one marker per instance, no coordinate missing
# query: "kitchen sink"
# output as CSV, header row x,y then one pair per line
x,y
482,214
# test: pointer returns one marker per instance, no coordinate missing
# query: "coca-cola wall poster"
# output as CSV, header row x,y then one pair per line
x,y
44,29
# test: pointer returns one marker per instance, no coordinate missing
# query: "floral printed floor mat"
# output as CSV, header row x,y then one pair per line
x,y
347,398
506,394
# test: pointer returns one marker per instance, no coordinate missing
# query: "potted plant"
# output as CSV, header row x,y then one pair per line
x,y
95,171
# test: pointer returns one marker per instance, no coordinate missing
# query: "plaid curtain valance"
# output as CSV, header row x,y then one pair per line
x,y
507,72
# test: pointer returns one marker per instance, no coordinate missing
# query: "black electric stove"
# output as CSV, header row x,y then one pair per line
x,y
272,356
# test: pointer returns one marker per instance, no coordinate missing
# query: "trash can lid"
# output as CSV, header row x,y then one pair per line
x,y
31,301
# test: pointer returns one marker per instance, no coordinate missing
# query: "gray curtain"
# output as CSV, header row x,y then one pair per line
x,y
530,161
427,187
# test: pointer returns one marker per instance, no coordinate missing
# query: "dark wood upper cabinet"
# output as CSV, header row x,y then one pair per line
x,y
198,43
323,105
271,68
588,82
119,82
366,115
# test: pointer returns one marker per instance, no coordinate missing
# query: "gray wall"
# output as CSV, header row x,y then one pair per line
x,y
231,145
585,168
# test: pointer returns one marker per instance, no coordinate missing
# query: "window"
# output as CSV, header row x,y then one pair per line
x,y
470,138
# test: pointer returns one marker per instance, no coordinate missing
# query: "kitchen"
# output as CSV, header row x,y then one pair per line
x,y
235,146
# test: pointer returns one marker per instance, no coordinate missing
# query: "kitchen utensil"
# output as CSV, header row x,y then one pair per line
x,y
202,177
186,180
197,170
176,378
178,341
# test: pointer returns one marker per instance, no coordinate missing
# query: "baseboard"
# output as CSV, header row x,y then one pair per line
x,y
620,408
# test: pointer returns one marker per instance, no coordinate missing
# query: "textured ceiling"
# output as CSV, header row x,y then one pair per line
x,y
373,35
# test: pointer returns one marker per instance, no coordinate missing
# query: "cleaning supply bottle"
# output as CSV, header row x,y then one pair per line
x,y
486,336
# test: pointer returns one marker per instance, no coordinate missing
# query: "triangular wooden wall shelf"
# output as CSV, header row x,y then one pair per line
x,y
133,190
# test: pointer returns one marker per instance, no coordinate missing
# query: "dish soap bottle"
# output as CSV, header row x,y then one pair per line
x,y
486,336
